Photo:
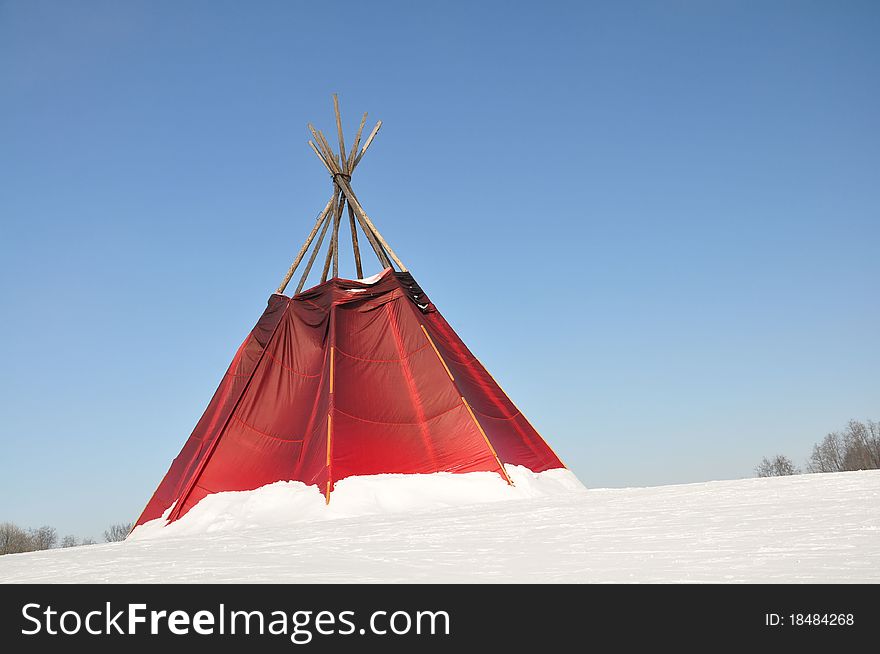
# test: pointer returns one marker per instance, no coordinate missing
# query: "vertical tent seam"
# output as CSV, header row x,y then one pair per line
x,y
332,402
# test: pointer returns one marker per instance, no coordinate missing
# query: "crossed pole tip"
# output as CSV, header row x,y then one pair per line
x,y
340,164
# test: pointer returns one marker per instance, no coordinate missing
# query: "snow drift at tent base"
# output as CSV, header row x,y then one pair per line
x,y
284,503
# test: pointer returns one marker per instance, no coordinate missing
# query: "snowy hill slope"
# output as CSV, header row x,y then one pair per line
x,y
806,528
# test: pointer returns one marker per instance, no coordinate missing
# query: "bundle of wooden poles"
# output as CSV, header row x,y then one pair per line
x,y
340,166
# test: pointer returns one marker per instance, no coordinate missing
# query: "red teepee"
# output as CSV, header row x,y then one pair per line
x,y
348,378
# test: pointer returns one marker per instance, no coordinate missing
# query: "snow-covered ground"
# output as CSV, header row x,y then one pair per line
x,y
807,528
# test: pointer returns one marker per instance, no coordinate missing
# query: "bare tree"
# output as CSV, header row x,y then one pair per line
x,y
43,538
828,455
117,532
13,539
778,466
863,445
857,447
872,434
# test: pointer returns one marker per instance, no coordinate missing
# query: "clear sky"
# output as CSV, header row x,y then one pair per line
x,y
656,223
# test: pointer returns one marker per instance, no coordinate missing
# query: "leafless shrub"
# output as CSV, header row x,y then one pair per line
x,y
778,466
43,538
117,532
13,539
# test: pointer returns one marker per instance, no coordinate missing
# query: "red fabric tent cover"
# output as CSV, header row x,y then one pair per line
x,y
349,378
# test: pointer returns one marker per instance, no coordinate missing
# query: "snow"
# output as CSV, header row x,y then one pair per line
x,y
372,279
806,528
289,502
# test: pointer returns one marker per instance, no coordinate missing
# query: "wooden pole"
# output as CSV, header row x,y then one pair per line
x,y
353,202
342,156
322,144
367,144
466,405
327,158
488,442
333,250
329,150
437,352
302,280
357,142
377,248
304,248
318,141
345,167
332,405
336,168
330,249
354,241
321,157
336,223
326,270
331,160
380,253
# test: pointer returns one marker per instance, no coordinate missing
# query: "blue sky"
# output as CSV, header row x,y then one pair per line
x,y
656,223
